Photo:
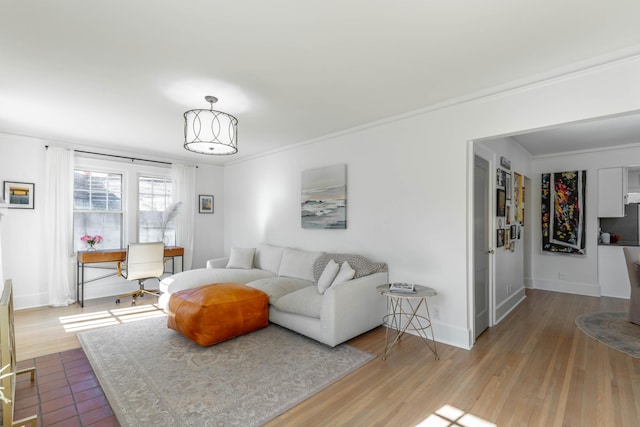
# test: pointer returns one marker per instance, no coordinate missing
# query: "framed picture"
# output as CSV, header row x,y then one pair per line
x,y
19,195
324,198
505,163
205,204
507,185
501,202
500,238
513,232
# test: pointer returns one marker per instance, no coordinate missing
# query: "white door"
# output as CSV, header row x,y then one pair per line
x,y
482,247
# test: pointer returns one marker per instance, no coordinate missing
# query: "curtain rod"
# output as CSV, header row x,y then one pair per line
x,y
119,157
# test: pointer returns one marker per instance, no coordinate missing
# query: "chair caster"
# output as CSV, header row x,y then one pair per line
x,y
117,300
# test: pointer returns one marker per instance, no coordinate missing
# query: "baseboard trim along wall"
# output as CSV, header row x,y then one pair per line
x,y
508,305
588,289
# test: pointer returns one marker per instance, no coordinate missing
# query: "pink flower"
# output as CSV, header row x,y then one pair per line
x,y
91,240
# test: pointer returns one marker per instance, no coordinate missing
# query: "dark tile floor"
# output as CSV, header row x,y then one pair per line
x,y
65,392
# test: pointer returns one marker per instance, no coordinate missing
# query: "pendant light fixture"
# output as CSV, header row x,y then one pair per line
x,y
210,132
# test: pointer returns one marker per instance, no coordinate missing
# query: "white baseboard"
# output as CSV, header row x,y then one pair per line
x,y
30,301
588,289
508,305
447,334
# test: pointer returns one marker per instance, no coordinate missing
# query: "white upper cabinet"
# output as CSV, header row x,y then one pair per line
x,y
612,192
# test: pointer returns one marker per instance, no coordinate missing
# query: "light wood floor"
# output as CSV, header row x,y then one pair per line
x,y
534,369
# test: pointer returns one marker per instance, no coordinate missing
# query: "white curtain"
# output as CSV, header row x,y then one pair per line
x,y
58,226
183,179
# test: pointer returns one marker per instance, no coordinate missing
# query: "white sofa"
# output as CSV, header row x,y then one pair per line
x,y
307,292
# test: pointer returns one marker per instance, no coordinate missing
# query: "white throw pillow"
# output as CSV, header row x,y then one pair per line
x,y
298,263
328,274
241,258
345,274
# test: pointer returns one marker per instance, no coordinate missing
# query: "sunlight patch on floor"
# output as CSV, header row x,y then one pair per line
x,y
81,322
451,416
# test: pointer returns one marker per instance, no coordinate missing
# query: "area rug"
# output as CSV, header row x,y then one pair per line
x,y
612,329
152,375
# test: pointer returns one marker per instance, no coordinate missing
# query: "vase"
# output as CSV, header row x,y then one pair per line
x,y
91,248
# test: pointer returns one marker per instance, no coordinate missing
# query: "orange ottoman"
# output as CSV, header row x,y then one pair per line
x,y
214,313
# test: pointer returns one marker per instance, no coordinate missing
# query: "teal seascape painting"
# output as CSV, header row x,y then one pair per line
x,y
324,197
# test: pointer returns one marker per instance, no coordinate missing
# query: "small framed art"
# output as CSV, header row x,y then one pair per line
x,y
205,204
500,202
19,195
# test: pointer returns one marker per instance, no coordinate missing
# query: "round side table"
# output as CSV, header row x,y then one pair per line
x,y
402,308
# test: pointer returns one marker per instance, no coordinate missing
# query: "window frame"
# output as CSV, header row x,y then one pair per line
x,y
139,175
130,172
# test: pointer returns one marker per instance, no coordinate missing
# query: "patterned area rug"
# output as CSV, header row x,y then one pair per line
x,y
612,329
154,376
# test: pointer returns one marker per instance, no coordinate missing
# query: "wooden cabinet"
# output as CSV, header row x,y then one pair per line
x,y
612,192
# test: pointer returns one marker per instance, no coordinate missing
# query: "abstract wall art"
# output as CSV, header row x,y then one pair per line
x,y
563,212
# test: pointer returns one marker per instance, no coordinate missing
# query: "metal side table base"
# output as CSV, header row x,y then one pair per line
x,y
402,308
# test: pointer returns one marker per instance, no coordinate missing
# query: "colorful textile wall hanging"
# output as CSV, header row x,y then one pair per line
x,y
563,214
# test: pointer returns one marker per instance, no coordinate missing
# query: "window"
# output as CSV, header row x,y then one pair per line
x,y
97,208
154,198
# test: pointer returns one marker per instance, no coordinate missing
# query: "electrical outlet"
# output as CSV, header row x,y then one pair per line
x,y
561,276
436,312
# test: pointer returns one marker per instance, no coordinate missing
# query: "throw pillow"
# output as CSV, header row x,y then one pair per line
x,y
328,275
345,274
241,258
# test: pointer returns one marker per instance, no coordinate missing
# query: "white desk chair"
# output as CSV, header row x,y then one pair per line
x,y
144,261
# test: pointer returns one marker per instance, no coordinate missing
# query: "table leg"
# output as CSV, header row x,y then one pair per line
x,y
397,312
82,287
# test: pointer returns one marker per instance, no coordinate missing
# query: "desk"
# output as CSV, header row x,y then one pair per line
x,y
404,306
114,255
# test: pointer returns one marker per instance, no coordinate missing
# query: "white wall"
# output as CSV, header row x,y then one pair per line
x,y
409,186
23,159
574,274
209,236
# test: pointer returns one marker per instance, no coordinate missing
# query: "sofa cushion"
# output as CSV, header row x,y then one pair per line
x,y
307,302
276,287
241,258
360,264
326,278
298,264
268,257
345,273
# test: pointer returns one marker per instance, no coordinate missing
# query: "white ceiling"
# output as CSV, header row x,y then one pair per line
x,y
587,135
119,74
